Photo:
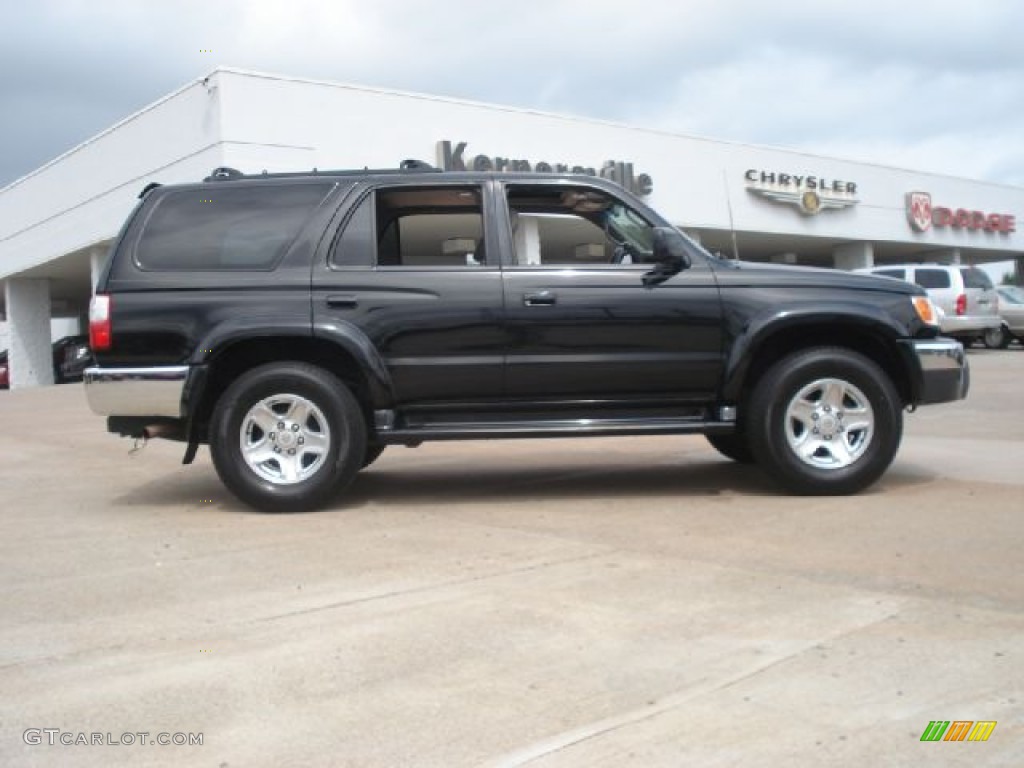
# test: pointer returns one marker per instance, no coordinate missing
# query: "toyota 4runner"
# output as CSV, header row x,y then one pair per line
x,y
299,324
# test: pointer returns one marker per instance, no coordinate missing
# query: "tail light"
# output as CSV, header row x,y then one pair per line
x,y
100,337
961,304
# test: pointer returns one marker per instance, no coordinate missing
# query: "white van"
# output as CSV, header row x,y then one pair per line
x,y
967,301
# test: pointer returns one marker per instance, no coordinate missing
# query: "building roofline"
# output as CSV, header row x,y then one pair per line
x,y
481,105
96,137
596,121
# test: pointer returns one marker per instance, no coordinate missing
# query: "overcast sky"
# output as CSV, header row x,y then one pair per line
x,y
935,86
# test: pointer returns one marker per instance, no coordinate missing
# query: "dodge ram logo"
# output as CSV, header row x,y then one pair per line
x,y
919,210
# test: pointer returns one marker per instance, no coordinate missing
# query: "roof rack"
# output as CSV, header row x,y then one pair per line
x,y
224,173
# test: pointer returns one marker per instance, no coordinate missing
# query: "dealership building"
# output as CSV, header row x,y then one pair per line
x,y
749,202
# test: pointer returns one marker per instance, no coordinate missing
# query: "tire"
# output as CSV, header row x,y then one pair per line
x,y
996,338
373,452
303,465
734,446
825,388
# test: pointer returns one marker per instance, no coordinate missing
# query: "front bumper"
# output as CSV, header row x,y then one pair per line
x,y
945,374
155,392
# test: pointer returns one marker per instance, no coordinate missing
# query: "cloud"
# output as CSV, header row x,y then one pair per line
x,y
935,86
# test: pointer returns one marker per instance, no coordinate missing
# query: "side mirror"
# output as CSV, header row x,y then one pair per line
x,y
670,249
670,256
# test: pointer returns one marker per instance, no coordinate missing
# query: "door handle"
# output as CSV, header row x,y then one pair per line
x,y
342,301
540,299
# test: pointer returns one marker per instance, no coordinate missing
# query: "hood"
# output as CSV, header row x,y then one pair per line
x,y
787,274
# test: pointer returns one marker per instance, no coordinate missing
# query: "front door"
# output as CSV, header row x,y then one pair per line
x,y
582,326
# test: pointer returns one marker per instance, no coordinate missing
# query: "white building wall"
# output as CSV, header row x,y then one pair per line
x,y
279,123
84,195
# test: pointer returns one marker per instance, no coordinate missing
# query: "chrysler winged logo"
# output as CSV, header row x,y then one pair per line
x,y
919,210
810,194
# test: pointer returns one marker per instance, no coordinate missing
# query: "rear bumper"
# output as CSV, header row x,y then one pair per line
x,y
153,392
959,325
945,374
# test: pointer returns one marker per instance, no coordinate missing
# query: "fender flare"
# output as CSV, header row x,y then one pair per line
x,y
861,317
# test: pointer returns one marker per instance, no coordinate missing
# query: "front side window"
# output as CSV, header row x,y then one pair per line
x,y
553,225
226,227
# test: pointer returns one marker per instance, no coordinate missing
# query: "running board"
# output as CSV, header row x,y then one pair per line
x,y
549,428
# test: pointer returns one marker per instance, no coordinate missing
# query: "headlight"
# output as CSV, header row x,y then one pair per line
x,y
926,310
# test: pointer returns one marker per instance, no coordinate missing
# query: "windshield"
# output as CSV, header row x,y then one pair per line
x,y
1012,294
626,226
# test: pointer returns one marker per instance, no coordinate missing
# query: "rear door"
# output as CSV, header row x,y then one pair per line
x,y
409,271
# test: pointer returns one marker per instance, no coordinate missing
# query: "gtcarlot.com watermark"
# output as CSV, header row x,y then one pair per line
x,y
56,737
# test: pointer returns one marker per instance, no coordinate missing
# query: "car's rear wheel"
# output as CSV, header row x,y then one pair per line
x,y
996,338
825,421
286,437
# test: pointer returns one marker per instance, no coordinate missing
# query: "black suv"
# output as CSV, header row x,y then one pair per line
x,y
301,323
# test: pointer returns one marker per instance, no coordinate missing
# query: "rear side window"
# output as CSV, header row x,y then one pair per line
x,y
899,274
975,278
224,227
932,278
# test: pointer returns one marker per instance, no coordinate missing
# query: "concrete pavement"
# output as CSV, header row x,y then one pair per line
x,y
604,602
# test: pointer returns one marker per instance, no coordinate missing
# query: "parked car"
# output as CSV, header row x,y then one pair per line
x,y
1011,310
71,356
967,300
307,321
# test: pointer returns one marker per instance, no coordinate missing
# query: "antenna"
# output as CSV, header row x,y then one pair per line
x,y
732,225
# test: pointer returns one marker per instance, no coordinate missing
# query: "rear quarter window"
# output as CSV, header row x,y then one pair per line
x,y
932,278
224,227
899,274
975,278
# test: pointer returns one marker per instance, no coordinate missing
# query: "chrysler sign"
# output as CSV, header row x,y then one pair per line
x,y
453,157
811,194
922,216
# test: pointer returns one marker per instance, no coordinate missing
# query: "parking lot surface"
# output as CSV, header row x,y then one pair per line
x,y
601,602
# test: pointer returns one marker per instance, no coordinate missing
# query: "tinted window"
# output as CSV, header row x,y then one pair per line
x,y
356,245
976,278
225,227
932,278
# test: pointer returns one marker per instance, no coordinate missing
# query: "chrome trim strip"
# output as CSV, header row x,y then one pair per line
x,y
940,354
136,391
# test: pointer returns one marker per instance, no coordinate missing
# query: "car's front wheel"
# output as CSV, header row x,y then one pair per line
x,y
286,437
825,421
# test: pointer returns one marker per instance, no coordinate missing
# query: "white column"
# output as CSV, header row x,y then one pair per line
x,y
853,256
28,322
527,240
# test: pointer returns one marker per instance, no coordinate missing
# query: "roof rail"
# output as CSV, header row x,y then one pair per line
x,y
223,173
